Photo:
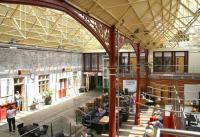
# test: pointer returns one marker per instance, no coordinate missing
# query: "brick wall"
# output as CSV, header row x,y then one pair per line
x,y
167,84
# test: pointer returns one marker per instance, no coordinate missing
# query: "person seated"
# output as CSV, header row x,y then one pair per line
x,y
100,112
194,109
157,124
149,131
191,120
92,113
105,106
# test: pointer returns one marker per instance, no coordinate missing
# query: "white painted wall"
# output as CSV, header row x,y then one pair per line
x,y
53,86
32,91
194,62
31,88
191,91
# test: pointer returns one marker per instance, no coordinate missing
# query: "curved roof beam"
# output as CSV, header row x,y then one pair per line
x,y
97,28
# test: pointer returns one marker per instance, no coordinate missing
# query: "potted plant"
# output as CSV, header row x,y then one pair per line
x,y
47,98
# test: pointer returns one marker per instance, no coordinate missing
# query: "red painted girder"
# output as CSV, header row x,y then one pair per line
x,y
137,114
112,79
122,40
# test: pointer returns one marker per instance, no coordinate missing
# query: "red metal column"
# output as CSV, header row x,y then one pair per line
x,y
112,96
146,68
137,114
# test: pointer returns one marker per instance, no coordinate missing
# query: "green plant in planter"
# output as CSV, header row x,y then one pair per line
x,y
48,97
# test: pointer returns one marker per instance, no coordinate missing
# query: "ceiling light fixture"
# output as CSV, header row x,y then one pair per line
x,y
136,31
60,47
122,22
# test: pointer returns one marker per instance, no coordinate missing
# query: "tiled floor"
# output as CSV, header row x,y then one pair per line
x,y
65,107
128,129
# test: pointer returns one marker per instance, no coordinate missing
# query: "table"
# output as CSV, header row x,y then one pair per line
x,y
102,125
32,130
83,89
104,120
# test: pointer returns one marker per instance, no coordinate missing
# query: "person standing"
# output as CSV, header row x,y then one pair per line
x,y
18,99
11,118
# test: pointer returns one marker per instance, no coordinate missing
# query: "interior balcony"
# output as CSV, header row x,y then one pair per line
x,y
161,71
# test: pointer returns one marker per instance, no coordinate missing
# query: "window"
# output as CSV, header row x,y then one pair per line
x,y
92,62
157,62
170,61
101,61
128,62
125,62
43,83
167,62
142,62
133,62
18,81
6,92
87,62
179,62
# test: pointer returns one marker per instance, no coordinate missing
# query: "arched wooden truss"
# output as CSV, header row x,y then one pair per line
x,y
99,30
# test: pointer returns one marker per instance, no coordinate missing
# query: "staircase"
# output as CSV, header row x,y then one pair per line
x,y
128,129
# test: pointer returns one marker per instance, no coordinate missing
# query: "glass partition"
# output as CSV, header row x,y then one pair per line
x,y
167,62
157,62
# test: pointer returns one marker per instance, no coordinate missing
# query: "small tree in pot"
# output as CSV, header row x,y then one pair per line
x,y
47,97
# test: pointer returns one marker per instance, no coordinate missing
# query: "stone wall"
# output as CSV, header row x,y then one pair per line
x,y
12,60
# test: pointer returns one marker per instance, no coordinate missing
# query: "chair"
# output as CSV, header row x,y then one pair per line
x,y
19,126
191,120
36,124
44,130
126,91
32,135
59,134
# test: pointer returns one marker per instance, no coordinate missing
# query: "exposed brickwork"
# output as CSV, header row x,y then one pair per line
x,y
162,84
165,84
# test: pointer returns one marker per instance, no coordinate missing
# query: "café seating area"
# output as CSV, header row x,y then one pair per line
x,y
95,114
32,130
92,117
192,123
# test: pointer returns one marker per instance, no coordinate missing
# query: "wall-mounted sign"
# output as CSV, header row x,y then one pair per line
x,y
67,69
77,69
130,85
24,72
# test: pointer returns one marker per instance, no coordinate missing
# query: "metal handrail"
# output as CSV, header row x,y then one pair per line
x,y
176,132
81,111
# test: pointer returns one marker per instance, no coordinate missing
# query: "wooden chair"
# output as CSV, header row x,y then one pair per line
x,y
19,126
36,124
44,130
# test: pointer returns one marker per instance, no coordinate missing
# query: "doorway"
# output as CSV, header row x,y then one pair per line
x,y
19,86
180,64
133,63
75,82
63,88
